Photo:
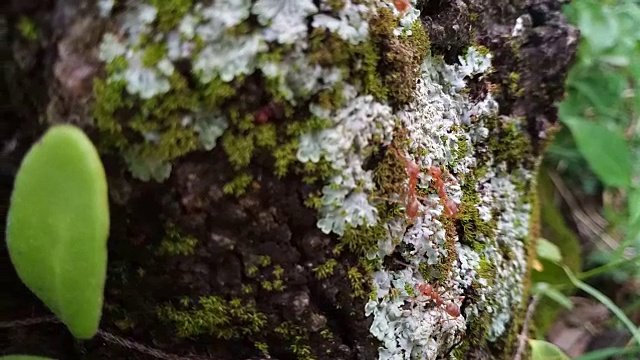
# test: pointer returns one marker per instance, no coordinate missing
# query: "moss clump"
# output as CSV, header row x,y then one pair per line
x,y
514,84
175,243
326,334
27,29
278,283
486,271
296,337
160,118
214,316
325,270
364,239
153,54
357,282
252,270
476,336
238,186
264,260
469,215
388,64
509,143
170,12
402,62
262,347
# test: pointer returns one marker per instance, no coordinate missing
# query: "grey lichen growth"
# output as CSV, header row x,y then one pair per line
x,y
446,130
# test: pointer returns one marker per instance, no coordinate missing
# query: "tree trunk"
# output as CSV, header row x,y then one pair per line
x,y
287,176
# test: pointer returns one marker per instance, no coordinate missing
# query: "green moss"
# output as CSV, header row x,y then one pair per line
x,y
175,243
508,142
277,284
487,271
363,240
387,65
252,270
109,99
262,347
483,50
469,215
267,285
216,92
477,333
367,75
265,136
214,316
410,290
462,148
296,337
285,157
336,5
514,84
264,260
325,270
314,200
331,98
357,282
238,186
161,116
278,271
403,62
239,149
170,12
319,171
27,28
153,54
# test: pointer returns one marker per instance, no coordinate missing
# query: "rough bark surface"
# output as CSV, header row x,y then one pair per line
x,y
194,269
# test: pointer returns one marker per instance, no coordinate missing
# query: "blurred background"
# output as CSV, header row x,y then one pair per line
x,y
587,277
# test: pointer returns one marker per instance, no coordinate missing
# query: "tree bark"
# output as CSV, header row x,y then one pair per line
x,y
259,153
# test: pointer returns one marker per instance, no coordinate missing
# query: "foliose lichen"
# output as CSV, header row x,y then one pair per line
x,y
174,83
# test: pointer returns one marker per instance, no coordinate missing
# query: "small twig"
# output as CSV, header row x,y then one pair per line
x,y
156,353
111,338
27,322
405,264
522,338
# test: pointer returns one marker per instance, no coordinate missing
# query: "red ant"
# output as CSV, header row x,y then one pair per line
x,y
411,199
450,206
412,204
402,5
427,291
267,112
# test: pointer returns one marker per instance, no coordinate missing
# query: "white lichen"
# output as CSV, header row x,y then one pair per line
x,y
434,123
446,131
351,24
345,146
284,21
105,7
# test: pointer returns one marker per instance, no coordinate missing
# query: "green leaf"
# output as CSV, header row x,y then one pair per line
x,y
554,294
597,24
58,224
606,302
605,149
634,206
552,274
548,250
24,357
542,350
